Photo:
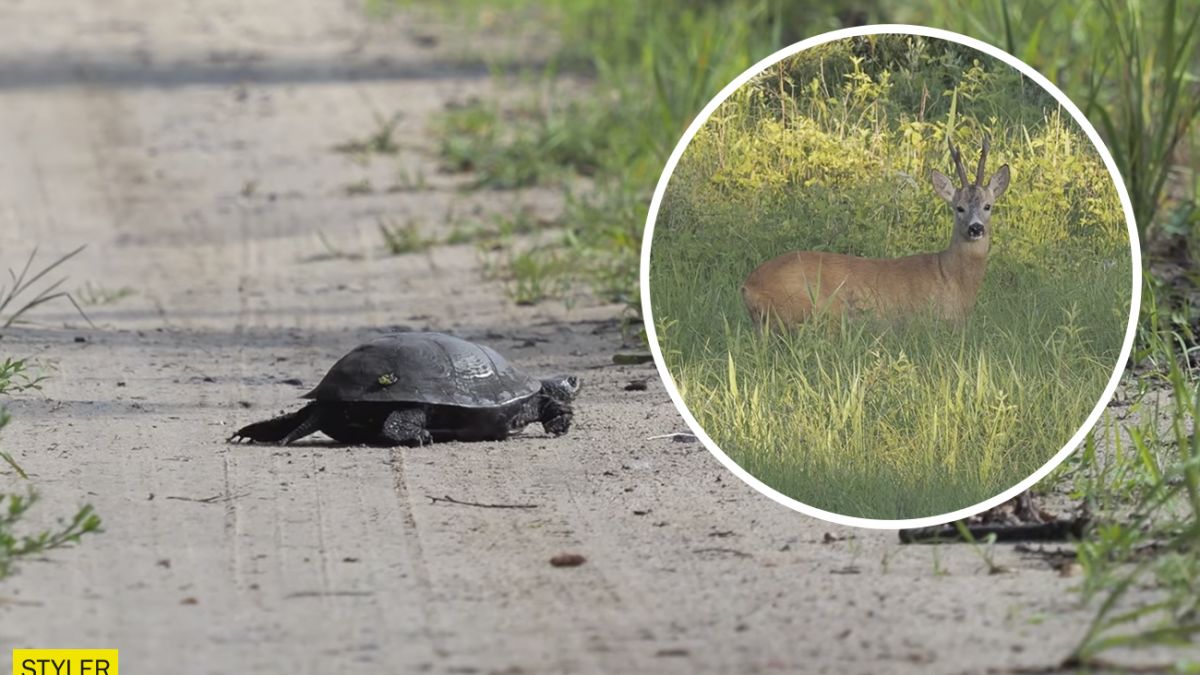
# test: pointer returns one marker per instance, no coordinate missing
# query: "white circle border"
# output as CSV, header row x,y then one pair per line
x,y
648,313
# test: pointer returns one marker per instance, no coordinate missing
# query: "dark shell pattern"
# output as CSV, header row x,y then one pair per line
x,y
430,368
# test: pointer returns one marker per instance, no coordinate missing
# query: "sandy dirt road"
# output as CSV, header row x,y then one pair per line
x,y
189,146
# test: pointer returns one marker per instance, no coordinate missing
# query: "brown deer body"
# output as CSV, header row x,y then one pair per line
x,y
789,289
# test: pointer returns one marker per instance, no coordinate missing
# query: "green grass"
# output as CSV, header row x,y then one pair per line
x,y
495,232
409,181
16,376
530,145
1140,477
878,422
605,150
379,141
15,504
15,546
399,238
536,274
96,294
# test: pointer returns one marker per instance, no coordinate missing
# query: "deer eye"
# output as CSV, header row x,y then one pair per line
x,y
961,210
987,207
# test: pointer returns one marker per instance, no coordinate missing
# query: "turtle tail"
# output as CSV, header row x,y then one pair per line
x,y
281,430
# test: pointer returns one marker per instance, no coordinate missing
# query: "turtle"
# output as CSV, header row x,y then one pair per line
x,y
418,388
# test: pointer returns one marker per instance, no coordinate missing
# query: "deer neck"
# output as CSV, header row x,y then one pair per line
x,y
963,265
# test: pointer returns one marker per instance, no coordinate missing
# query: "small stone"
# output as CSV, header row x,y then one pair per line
x,y
567,560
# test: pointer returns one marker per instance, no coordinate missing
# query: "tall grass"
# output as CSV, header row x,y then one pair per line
x,y
878,423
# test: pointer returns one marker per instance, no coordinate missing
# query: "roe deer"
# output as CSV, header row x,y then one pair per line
x,y
787,290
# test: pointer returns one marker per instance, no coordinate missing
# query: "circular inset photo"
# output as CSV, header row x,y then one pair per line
x,y
891,276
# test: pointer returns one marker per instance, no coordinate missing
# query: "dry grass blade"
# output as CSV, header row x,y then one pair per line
x,y
8,459
21,284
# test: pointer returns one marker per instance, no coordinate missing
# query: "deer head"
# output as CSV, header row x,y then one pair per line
x,y
972,202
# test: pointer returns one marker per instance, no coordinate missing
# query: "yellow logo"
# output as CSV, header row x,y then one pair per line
x,y
64,662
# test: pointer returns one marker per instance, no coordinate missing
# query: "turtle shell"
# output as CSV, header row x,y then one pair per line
x,y
430,368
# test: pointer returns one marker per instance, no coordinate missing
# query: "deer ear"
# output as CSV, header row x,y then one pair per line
x,y
999,182
943,186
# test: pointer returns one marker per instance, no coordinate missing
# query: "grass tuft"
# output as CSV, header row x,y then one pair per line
x,y
403,238
381,141
95,294
21,285
13,546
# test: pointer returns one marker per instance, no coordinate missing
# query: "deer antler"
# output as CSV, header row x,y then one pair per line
x,y
958,165
982,162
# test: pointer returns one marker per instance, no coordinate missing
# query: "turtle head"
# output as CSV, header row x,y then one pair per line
x,y
562,388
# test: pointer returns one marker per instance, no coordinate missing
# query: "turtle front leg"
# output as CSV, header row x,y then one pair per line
x,y
282,430
537,409
554,409
559,424
405,427
555,416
